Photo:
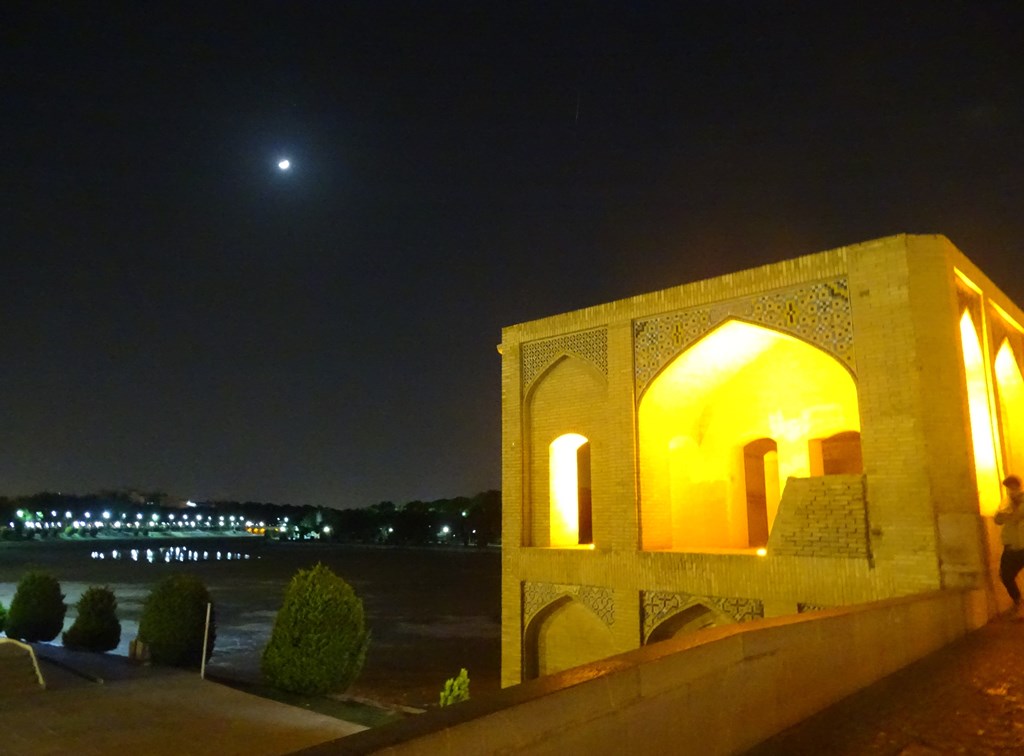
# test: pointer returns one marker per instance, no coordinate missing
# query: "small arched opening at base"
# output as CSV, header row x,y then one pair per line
x,y
689,620
562,635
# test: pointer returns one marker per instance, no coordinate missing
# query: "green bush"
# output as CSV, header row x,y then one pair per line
x,y
456,689
172,622
37,609
319,640
96,628
3,616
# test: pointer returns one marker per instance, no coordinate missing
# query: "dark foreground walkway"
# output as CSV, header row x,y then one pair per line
x,y
965,699
151,711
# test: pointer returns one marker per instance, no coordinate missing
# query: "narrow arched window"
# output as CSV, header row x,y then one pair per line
x,y
570,492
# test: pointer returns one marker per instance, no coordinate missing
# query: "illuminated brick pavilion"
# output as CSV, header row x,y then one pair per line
x,y
822,431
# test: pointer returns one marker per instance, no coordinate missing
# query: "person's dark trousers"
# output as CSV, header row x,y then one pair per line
x,y
1010,563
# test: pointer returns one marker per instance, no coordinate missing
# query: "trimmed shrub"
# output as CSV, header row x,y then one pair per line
x,y
456,689
319,640
37,609
172,622
96,628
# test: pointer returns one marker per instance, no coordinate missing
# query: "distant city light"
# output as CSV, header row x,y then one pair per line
x,y
284,165
445,529
106,515
190,503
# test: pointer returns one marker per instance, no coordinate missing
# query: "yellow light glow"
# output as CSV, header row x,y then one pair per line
x,y
738,384
985,468
1010,387
564,492
1007,318
762,551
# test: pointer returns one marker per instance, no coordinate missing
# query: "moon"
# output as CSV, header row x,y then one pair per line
x,y
285,164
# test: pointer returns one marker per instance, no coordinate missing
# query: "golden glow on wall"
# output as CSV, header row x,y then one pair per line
x,y
565,636
565,489
725,424
986,470
1010,387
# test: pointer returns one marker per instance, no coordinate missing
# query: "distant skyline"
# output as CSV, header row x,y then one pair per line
x,y
181,314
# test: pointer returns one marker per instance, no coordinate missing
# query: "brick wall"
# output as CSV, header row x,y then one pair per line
x,y
822,517
911,524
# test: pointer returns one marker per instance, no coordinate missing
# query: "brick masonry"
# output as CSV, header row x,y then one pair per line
x,y
888,310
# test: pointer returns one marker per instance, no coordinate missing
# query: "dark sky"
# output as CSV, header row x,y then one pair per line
x,y
177,314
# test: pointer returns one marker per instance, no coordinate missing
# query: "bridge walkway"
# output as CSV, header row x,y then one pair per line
x,y
967,698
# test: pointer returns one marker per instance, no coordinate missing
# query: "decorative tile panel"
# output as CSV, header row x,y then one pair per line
x,y
659,606
819,313
591,346
599,600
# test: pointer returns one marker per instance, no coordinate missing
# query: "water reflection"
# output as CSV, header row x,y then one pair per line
x,y
168,554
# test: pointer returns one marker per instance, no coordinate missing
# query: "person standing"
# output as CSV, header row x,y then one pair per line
x,y
1010,517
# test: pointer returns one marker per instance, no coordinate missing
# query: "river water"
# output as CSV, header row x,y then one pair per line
x,y
431,611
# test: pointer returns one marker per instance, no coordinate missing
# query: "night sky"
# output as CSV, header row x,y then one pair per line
x,y
178,314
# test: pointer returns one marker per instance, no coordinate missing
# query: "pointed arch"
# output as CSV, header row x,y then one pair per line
x,y
561,452
562,635
1010,389
687,620
986,466
739,383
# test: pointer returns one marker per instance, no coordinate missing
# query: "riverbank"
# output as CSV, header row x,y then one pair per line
x,y
430,610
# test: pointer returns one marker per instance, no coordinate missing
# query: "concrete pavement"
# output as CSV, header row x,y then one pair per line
x,y
149,710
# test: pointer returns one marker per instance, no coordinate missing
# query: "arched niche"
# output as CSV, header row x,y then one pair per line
x,y
564,634
741,383
688,620
564,415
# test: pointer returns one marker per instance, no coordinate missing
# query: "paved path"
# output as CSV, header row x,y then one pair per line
x,y
965,699
152,711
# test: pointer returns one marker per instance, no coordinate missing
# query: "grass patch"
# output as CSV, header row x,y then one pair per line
x,y
350,711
